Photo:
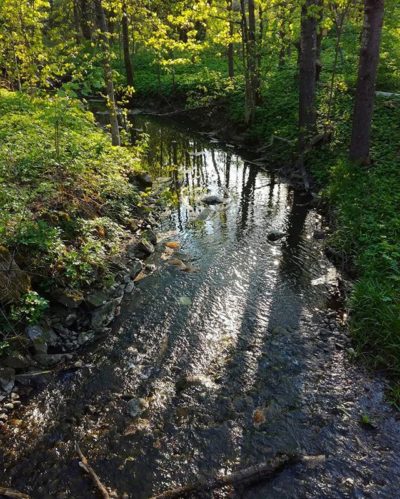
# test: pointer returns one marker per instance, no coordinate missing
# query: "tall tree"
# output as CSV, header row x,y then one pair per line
x,y
125,44
231,66
365,91
250,56
307,72
108,76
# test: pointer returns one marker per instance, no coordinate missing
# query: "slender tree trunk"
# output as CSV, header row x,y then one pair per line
x,y
108,77
231,66
125,44
250,57
365,91
307,72
85,19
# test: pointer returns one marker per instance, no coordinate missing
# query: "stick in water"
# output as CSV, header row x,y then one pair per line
x,y
83,463
253,474
6,492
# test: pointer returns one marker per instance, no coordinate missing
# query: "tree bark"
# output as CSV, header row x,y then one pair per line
x,y
367,70
231,66
125,44
108,77
307,73
250,48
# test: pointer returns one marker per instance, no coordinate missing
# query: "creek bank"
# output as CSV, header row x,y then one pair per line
x,y
216,123
76,319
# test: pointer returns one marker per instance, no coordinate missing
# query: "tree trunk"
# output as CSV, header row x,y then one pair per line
x,y
365,91
85,19
231,67
250,48
307,73
108,77
125,44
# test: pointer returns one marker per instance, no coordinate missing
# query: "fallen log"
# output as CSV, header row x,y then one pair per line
x,y
247,476
6,492
83,463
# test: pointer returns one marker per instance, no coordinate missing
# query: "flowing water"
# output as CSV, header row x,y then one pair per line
x,y
228,363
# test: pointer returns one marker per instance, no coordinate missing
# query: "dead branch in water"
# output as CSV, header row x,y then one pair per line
x,y
83,463
6,492
251,475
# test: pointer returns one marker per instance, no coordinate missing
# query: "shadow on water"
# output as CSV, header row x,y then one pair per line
x,y
225,381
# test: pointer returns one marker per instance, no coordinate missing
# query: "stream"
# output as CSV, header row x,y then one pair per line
x,y
232,351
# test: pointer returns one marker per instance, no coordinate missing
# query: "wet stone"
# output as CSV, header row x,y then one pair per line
x,y
7,378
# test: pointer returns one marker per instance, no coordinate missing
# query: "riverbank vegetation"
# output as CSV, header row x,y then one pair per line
x,y
299,77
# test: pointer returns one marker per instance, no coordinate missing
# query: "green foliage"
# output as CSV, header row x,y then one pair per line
x,y
366,202
30,309
64,204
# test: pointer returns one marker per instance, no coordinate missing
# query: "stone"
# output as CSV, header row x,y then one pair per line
x,y
104,315
142,249
130,287
48,360
275,235
136,407
17,361
14,282
212,200
38,337
85,337
71,319
7,378
69,298
151,236
97,299
135,269
319,234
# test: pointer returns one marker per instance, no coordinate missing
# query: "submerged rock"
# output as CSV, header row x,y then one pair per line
x,y
212,200
136,407
275,235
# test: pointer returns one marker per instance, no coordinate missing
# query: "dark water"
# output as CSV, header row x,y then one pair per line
x,y
234,361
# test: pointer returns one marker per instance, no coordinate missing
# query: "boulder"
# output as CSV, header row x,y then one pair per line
x,y
14,282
